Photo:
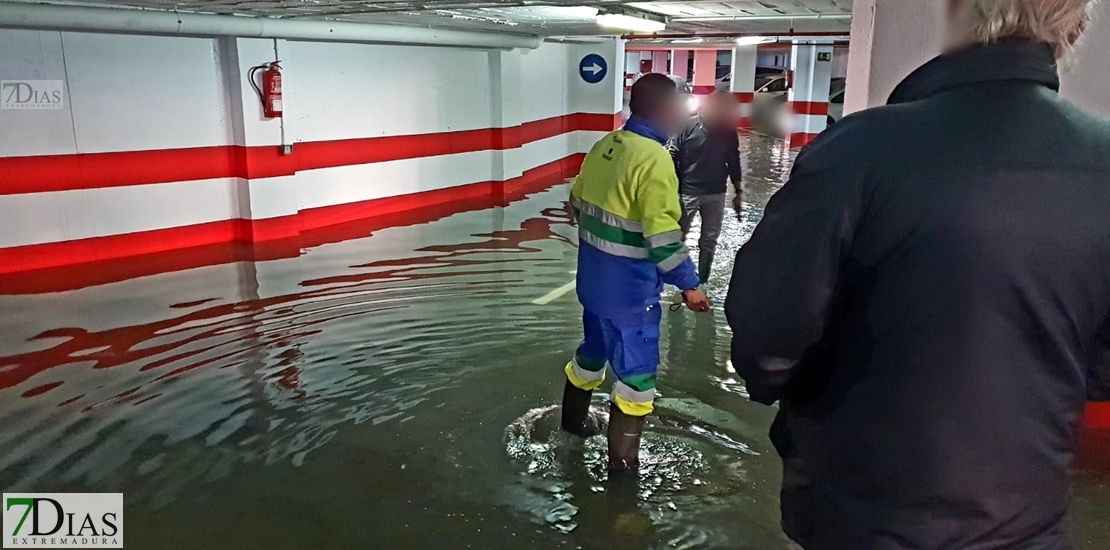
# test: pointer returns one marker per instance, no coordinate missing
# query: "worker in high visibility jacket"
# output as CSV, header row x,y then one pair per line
x,y
630,243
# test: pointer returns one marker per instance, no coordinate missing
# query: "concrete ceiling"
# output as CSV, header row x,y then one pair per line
x,y
544,17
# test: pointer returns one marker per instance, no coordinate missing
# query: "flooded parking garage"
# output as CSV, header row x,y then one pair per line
x,y
395,388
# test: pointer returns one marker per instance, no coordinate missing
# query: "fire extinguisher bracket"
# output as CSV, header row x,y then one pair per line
x,y
269,93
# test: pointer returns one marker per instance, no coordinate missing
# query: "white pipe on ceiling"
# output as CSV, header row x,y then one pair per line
x,y
17,15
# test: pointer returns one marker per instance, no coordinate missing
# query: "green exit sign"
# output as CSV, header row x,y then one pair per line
x,y
824,56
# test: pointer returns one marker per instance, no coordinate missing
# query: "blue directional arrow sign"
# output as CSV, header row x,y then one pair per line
x,y
593,68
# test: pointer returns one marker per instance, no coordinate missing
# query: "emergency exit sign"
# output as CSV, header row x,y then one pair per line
x,y
824,56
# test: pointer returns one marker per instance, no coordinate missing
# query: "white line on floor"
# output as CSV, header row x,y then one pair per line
x,y
554,294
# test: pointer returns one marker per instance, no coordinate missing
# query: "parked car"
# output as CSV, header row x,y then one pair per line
x,y
724,82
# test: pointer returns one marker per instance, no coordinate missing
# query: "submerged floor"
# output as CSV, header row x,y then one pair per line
x,y
394,391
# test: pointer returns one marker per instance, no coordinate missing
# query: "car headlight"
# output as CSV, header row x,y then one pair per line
x,y
692,103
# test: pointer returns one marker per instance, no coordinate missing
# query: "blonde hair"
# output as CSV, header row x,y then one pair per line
x,y
1056,22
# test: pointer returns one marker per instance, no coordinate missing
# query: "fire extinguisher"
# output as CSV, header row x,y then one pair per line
x,y
270,92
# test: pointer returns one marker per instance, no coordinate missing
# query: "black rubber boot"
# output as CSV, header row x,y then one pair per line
x,y
705,266
576,412
624,439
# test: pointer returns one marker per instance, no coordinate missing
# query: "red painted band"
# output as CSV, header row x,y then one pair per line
x,y
704,90
745,123
1098,415
47,173
809,107
744,97
31,268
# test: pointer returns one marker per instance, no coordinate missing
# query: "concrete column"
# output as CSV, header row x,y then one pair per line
x,y
744,61
1087,81
269,190
660,59
705,71
506,114
631,69
809,97
680,63
903,34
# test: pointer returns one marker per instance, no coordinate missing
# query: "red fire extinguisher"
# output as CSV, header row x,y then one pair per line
x,y
270,92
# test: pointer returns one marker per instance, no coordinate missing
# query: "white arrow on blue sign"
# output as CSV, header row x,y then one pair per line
x,y
593,68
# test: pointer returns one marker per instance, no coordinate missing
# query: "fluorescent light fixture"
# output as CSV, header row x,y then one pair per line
x,y
753,40
687,41
574,11
629,23
802,16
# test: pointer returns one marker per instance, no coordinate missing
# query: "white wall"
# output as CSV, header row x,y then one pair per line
x,y
142,93
1087,80
121,94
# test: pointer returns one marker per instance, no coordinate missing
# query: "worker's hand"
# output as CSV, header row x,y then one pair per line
x,y
696,300
738,202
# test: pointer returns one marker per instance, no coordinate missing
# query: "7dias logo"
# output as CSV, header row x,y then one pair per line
x,y
63,520
31,94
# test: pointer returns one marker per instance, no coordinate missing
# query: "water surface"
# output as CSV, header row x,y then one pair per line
x,y
397,390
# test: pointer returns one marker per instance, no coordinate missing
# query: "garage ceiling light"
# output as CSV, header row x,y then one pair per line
x,y
629,23
765,17
753,40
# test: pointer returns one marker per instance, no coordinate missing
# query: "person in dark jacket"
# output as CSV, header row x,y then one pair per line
x,y
928,298
706,155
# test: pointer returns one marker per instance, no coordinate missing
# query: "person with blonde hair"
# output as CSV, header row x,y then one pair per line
x,y
928,299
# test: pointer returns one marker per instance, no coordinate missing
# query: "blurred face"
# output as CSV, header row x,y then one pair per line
x,y
673,115
955,26
721,111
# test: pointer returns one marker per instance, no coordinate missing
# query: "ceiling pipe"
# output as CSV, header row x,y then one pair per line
x,y
16,15
735,35
771,46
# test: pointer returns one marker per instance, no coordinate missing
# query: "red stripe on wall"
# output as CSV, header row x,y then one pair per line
x,y
1098,415
809,107
745,122
704,90
744,97
36,268
46,173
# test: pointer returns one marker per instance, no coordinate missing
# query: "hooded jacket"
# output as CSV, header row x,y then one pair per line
x,y
927,298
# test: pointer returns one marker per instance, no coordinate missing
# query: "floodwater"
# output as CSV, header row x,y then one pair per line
x,y
394,389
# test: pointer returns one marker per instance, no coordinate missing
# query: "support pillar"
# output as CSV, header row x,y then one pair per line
x,y
680,63
809,97
889,40
659,61
631,69
744,60
506,113
705,72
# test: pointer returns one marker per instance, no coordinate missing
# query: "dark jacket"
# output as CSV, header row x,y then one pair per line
x,y
925,296
705,158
